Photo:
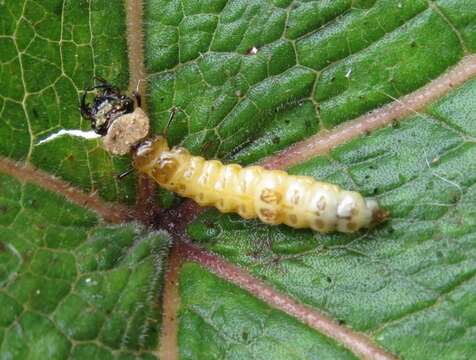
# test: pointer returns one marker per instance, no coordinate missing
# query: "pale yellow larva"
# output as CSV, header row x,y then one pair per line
x,y
273,196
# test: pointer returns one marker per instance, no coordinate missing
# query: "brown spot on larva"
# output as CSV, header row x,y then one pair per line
x,y
319,224
270,196
204,178
321,204
268,214
188,173
224,182
352,226
243,185
172,186
293,219
181,187
165,170
295,198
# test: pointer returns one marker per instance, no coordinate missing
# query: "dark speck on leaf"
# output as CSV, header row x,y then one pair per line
x,y
276,140
58,10
395,124
208,146
210,224
341,322
439,254
328,279
35,113
244,335
32,203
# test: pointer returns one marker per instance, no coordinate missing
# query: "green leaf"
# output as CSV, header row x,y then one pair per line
x,y
247,78
70,285
234,322
50,52
397,281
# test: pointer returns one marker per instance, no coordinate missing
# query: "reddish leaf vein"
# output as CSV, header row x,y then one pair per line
x,y
114,213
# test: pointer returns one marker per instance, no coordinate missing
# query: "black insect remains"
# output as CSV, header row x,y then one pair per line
x,y
115,117
109,104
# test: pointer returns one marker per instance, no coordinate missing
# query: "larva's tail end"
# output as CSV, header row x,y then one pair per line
x,y
379,216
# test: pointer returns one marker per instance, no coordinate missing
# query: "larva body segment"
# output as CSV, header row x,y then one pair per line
x,y
273,196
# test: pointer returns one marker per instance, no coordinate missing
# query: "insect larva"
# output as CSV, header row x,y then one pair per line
x,y
273,196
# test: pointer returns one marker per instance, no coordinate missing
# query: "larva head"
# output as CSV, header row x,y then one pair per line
x,y
148,153
108,105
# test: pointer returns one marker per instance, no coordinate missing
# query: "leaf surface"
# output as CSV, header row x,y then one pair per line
x,y
210,305
246,78
51,51
383,279
71,286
